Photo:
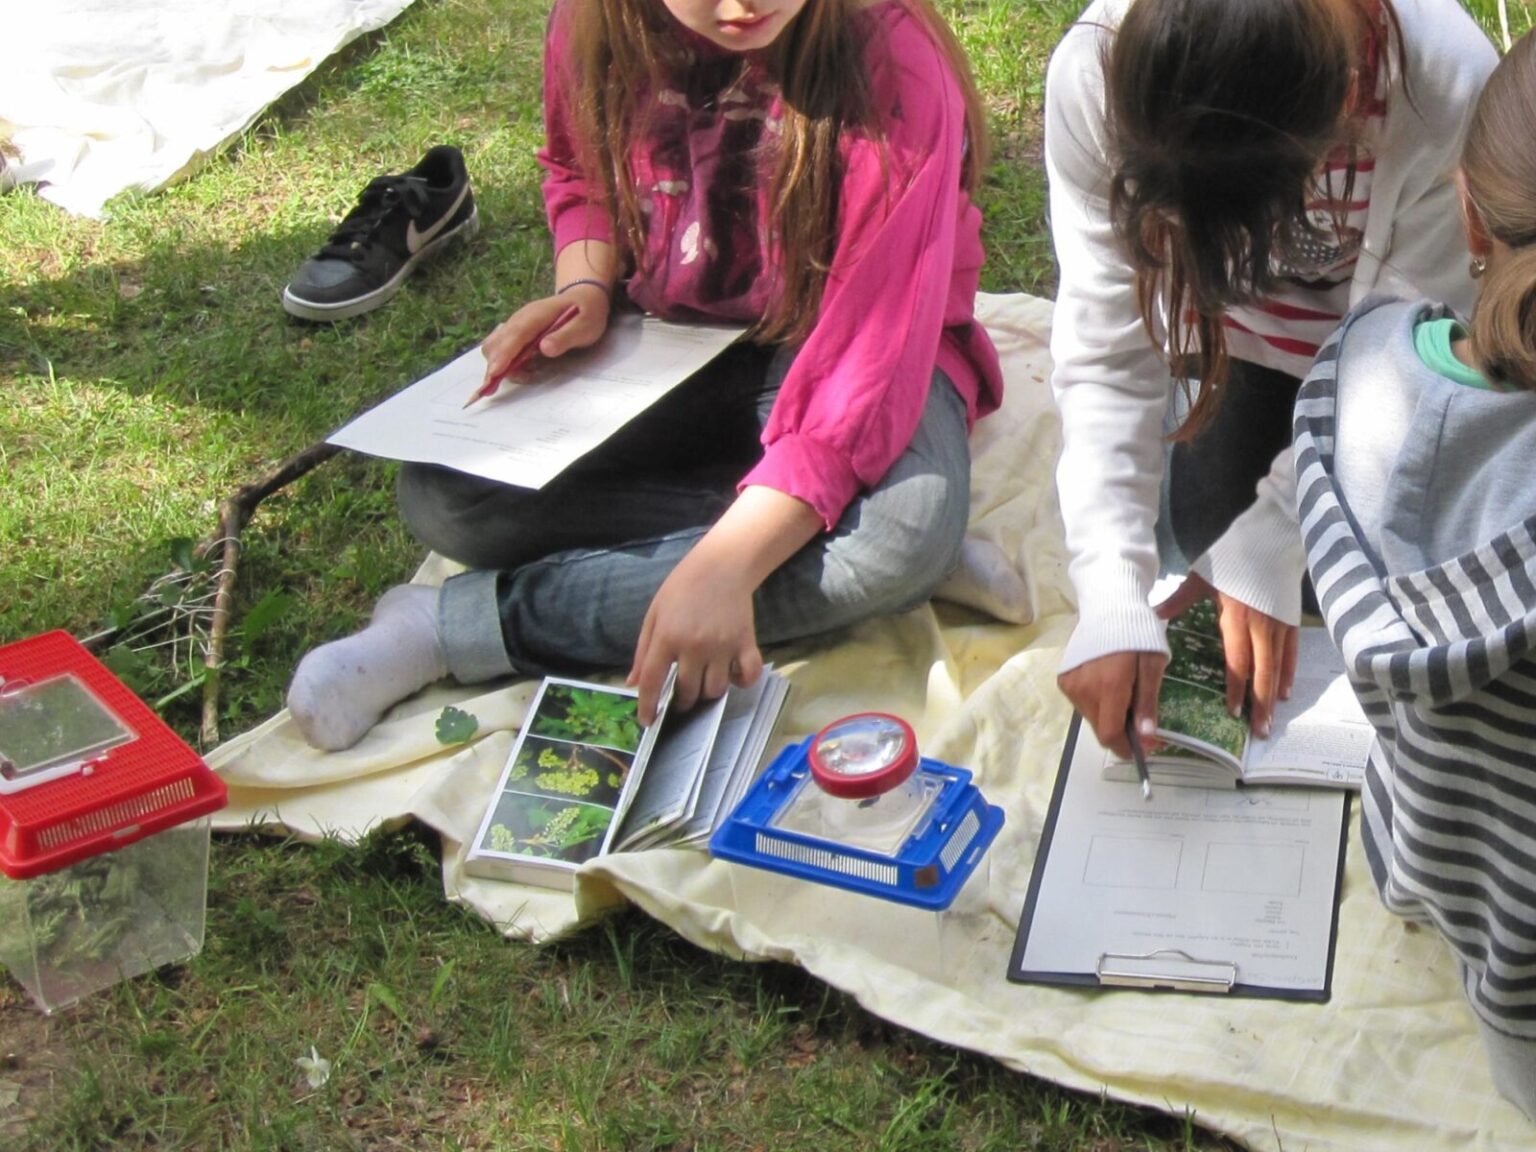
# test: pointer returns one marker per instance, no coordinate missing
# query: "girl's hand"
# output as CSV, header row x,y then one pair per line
x,y
1260,651
1105,689
700,619
512,335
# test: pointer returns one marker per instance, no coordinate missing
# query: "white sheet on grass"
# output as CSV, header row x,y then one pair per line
x,y
1393,1062
100,96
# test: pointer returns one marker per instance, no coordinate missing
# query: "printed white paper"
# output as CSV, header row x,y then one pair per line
x,y
551,416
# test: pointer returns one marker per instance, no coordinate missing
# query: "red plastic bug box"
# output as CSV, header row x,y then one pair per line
x,y
104,826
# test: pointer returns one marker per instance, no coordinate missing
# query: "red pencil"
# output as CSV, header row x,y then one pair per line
x,y
523,359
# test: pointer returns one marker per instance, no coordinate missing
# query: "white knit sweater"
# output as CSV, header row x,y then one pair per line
x,y
1112,383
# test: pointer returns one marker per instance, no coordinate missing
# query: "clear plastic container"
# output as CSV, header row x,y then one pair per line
x,y
863,790
69,933
104,826
851,813
877,824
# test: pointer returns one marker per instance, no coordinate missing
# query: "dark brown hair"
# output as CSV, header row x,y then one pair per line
x,y
1498,162
1219,116
623,51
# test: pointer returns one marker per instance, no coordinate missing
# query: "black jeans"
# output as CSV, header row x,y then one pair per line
x,y
1210,479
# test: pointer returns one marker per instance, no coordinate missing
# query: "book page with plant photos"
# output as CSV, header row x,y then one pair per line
x,y
569,778
1318,735
584,778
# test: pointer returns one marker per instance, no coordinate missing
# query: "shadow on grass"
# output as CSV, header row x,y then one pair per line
x,y
202,324
193,316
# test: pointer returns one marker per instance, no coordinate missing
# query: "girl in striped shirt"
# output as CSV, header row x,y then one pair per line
x,y
1226,180
1415,436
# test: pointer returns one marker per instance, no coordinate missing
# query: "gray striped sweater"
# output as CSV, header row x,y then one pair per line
x,y
1417,499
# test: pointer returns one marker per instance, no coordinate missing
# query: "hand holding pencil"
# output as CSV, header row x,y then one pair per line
x,y
549,327
1138,754
523,360
1112,688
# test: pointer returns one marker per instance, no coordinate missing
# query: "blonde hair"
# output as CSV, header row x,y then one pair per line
x,y
623,51
1499,164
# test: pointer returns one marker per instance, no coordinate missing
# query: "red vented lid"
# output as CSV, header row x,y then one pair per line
x,y
85,765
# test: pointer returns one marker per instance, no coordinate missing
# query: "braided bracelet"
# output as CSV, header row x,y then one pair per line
x,y
607,289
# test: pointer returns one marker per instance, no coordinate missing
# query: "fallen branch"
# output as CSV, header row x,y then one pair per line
x,y
234,514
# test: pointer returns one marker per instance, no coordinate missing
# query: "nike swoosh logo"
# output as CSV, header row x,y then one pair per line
x,y
415,241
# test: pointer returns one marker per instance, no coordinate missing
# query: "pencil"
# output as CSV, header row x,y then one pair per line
x,y
1138,755
520,362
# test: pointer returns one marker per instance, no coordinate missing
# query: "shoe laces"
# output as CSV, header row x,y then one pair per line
x,y
379,200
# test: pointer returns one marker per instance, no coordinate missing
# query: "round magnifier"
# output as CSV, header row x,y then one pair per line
x,y
863,755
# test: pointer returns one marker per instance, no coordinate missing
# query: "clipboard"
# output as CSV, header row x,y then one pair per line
x,y
1127,948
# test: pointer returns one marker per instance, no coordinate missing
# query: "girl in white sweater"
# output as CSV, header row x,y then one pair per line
x,y
1251,170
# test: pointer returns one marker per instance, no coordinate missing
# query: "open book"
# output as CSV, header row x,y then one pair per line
x,y
1318,736
584,778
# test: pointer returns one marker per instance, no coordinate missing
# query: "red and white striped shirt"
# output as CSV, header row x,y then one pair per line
x,y
1284,331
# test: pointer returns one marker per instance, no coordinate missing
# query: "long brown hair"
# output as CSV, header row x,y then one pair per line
x,y
1219,116
623,51
1498,162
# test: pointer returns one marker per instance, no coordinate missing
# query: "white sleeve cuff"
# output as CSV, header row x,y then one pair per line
x,y
1260,561
1124,622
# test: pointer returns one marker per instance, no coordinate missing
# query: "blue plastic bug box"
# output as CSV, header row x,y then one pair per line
x,y
856,808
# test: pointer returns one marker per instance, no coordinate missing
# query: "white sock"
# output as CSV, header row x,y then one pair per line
x,y
985,579
340,689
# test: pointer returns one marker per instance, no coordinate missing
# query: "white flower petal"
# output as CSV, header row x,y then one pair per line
x,y
316,1068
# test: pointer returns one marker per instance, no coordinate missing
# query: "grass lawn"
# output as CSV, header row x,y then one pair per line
x,y
149,371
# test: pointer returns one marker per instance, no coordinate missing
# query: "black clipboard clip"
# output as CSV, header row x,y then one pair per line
x,y
1169,968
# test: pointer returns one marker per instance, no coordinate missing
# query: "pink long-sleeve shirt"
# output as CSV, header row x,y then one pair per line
x,y
899,300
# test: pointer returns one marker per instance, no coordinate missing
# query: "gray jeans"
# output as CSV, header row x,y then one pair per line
x,y
562,577
1513,1064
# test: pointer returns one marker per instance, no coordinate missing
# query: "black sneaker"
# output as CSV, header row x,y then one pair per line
x,y
399,221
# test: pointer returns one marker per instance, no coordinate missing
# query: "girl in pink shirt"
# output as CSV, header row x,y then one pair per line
x,y
802,168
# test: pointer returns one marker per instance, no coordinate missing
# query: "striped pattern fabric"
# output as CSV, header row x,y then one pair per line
x,y
1442,660
1285,330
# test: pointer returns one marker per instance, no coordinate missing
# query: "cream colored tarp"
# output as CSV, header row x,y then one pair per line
x,y
100,96
1391,1062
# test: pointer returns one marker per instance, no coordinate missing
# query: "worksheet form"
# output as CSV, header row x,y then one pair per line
x,y
547,417
1241,882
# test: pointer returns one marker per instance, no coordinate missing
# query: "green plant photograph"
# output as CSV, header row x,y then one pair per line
x,y
342,1002
1193,701
587,772
589,715
547,828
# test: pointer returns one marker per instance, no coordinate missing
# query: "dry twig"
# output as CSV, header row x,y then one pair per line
x,y
234,514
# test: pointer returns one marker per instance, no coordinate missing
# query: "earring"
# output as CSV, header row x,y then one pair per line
x,y
1479,266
